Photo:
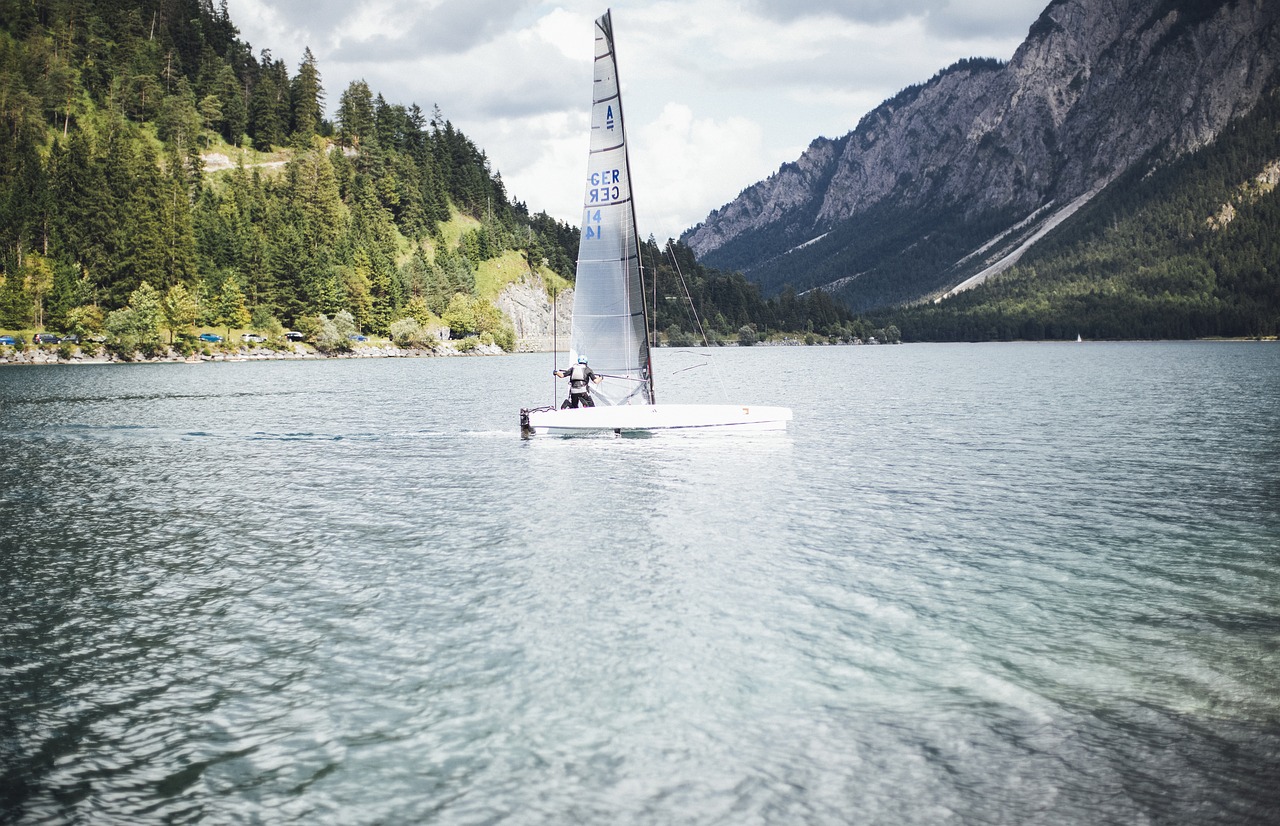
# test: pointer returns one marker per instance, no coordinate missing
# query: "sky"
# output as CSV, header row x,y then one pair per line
x,y
717,93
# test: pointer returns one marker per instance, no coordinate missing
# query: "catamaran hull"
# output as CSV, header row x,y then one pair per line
x,y
656,418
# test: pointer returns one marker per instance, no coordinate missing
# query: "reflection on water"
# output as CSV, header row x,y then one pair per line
x,y
987,583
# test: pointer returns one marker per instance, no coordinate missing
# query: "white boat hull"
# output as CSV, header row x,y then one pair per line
x,y
657,418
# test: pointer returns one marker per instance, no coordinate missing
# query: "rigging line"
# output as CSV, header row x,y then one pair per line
x,y
554,342
672,253
688,297
653,340
640,389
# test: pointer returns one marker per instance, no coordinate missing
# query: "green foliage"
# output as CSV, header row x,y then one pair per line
x,y
326,336
410,332
679,338
468,316
135,328
345,324
264,322
355,114
460,316
308,99
84,321
37,275
229,308
691,296
179,310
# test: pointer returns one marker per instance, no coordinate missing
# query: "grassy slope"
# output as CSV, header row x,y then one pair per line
x,y
494,275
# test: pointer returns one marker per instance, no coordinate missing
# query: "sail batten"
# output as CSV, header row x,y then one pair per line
x,y
609,321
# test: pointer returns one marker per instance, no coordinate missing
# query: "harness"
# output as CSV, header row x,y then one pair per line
x,y
578,378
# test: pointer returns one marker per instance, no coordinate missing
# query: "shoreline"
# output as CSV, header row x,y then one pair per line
x,y
9,357
39,356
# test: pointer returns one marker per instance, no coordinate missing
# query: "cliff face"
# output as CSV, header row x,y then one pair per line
x,y
1097,86
525,302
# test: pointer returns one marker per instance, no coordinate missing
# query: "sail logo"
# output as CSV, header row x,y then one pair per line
x,y
591,226
608,118
605,187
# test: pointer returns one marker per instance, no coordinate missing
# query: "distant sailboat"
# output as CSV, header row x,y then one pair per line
x,y
1078,339
610,321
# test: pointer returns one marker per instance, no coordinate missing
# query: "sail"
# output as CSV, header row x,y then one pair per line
x,y
609,324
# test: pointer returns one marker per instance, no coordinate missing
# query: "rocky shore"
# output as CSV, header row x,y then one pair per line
x,y
298,352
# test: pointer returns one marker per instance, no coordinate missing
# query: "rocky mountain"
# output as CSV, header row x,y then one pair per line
x,y
527,304
951,181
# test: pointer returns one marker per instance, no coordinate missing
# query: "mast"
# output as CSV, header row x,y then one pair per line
x,y
606,24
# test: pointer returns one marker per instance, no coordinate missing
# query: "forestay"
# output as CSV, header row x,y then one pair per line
x,y
609,323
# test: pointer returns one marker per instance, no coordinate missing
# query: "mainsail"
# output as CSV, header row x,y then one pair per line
x,y
609,322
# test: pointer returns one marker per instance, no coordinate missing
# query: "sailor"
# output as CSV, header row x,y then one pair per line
x,y
580,376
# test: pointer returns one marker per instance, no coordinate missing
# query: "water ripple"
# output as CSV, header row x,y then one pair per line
x,y
1011,584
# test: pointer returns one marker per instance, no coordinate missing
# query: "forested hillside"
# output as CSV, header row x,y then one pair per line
x,y
690,295
111,115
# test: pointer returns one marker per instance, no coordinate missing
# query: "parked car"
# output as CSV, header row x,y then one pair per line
x,y
358,338
45,338
214,337
252,337
294,335
71,339
9,340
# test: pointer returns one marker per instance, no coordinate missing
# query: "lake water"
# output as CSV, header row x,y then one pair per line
x,y
1001,583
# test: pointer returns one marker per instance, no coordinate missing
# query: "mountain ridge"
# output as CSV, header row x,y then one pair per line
x,y
897,208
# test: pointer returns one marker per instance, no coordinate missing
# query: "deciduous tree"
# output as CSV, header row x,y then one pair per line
x,y
179,309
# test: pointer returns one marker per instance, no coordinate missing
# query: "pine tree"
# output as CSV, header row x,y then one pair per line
x,y
234,122
140,251
308,99
85,228
179,263
268,106
179,121
355,114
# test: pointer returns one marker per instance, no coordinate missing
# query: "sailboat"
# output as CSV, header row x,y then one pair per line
x,y
610,320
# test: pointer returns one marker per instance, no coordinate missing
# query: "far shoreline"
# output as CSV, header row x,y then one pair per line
x,y
40,356
35,357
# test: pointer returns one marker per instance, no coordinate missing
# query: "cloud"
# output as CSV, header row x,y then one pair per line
x,y
862,11
375,30
516,74
404,30
948,19
990,20
718,93
682,162
542,159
